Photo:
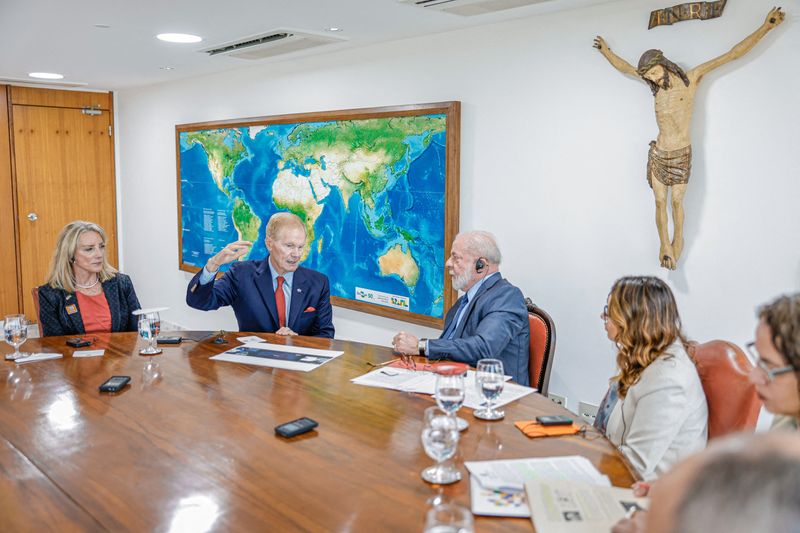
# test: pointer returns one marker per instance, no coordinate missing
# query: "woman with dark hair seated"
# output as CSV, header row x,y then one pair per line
x,y
777,353
84,293
655,411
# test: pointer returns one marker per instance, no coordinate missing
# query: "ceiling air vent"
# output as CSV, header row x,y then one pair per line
x,y
469,8
270,44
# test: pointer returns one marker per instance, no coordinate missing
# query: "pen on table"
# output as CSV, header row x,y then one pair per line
x,y
378,365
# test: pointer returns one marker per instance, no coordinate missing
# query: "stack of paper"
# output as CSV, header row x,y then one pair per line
x,y
424,382
32,358
572,507
278,356
497,488
402,379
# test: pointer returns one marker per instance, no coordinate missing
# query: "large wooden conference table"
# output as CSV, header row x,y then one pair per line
x,y
196,450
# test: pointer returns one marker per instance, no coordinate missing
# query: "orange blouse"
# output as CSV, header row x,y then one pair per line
x,y
95,313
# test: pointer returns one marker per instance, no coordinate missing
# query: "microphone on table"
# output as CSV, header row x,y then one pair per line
x,y
220,337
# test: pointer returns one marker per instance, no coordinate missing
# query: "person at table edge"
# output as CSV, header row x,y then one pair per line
x,y
489,321
273,295
84,293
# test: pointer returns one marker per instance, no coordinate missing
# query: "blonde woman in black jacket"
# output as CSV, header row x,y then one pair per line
x,y
83,292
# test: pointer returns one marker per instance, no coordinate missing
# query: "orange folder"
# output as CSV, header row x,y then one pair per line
x,y
534,429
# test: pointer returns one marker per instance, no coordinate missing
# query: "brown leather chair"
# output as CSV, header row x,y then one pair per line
x,y
733,404
35,294
542,346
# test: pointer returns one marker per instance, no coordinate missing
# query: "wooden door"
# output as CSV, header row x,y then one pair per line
x,y
64,163
9,280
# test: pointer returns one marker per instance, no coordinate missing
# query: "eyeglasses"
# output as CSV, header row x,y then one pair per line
x,y
604,314
771,373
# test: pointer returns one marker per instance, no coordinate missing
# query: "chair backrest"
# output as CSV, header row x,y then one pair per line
x,y
35,294
733,404
542,346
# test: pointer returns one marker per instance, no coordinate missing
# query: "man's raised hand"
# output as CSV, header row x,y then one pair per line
x,y
229,254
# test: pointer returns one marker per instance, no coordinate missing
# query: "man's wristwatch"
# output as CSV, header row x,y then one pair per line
x,y
421,346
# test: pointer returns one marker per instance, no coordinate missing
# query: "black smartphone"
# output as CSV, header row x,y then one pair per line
x,y
169,340
77,342
115,384
554,420
295,427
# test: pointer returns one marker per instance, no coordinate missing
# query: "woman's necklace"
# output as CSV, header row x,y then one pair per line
x,y
90,285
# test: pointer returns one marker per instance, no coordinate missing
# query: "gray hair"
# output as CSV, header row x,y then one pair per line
x,y
741,492
482,244
279,221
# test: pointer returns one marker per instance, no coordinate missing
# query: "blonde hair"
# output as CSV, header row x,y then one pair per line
x,y
61,275
282,220
644,311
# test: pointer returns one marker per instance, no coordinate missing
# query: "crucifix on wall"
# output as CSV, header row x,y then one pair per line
x,y
669,160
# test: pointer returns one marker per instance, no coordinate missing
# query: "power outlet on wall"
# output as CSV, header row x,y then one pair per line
x,y
587,411
560,400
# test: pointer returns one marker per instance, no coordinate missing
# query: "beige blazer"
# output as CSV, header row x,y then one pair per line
x,y
664,416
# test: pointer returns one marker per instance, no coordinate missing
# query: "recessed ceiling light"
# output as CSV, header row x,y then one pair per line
x,y
333,28
179,38
46,75
167,68
102,26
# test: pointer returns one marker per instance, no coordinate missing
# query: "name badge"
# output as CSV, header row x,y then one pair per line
x,y
71,309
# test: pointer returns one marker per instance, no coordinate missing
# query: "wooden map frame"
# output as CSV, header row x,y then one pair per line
x,y
452,111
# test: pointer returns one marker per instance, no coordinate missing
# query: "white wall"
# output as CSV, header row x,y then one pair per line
x,y
554,146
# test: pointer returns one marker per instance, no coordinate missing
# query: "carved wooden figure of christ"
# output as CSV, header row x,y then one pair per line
x,y
670,158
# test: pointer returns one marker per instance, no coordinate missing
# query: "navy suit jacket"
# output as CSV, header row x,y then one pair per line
x,y
55,319
247,287
495,325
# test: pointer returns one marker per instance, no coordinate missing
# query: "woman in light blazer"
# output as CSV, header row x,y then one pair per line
x,y
660,414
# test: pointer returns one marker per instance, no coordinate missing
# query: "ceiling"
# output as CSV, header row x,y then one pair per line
x,y
111,44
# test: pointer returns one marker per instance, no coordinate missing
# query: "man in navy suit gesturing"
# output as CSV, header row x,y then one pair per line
x,y
275,294
489,321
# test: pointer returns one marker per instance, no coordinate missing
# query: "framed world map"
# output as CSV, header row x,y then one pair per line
x,y
377,189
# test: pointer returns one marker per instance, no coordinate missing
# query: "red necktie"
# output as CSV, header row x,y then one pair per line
x,y
280,301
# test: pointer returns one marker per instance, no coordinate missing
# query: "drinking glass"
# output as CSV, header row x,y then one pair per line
x,y
449,518
440,440
15,328
19,383
450,393
151,372
149,327
489,379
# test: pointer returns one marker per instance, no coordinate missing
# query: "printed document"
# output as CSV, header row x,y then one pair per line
x,y
497,488
511,392
278,356
572,507
424,382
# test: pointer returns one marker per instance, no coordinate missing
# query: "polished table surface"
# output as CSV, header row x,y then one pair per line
x,y
196,450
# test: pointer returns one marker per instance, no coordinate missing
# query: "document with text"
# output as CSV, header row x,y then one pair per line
x,y
424,382
559,506
278,356
497,488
